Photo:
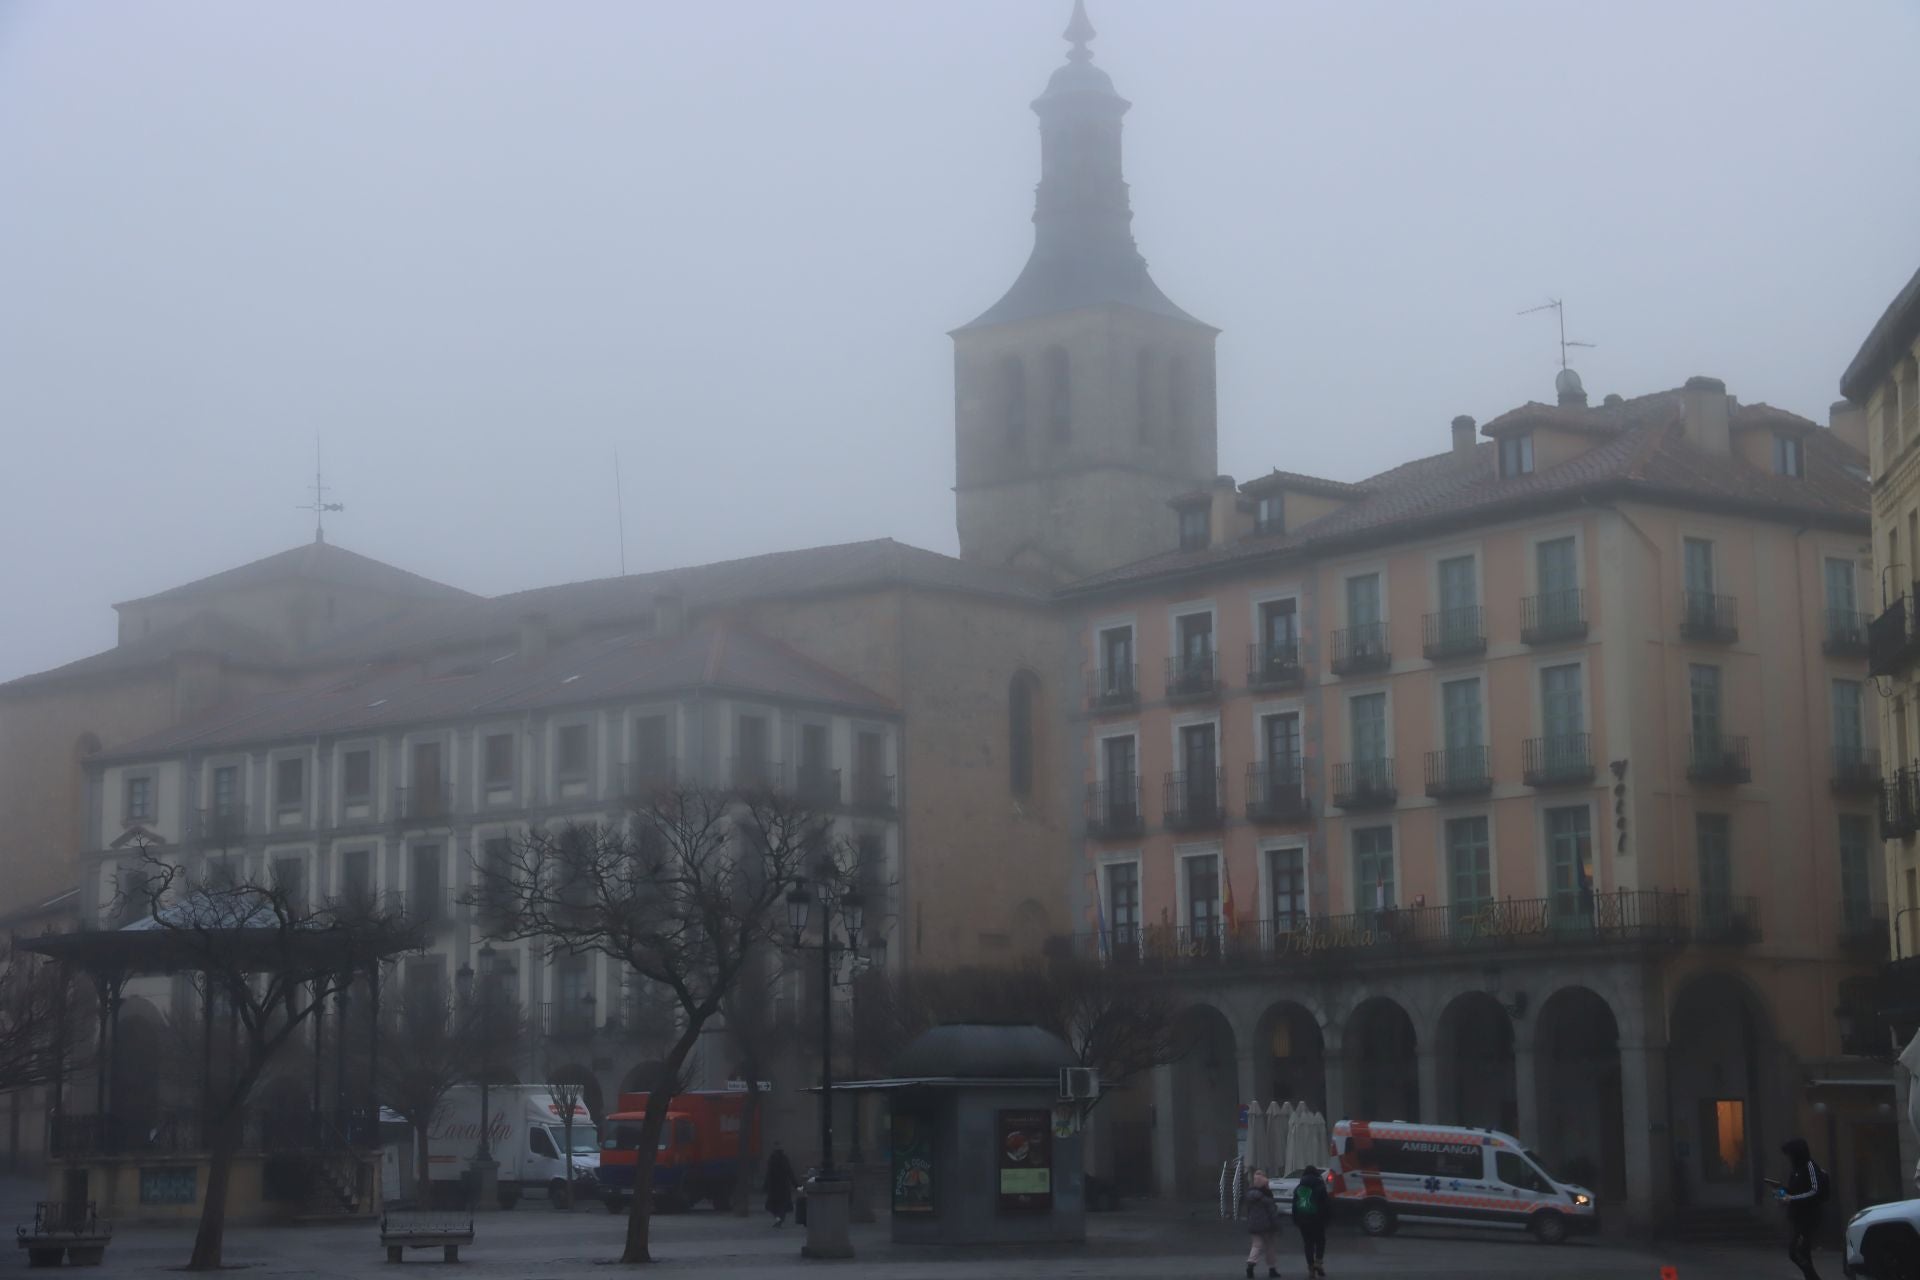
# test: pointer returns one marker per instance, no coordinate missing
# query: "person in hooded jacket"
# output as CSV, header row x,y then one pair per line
x,y
1802,1194
1310,1216
779,1185
1263,1224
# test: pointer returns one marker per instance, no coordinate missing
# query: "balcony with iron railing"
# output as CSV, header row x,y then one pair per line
x,y
872,792
1277,792
1889,639
222,826
1845,634
1274,666
432,802
1557,760
1114,688
756,773
1365,784
1191,801
1553,616
816,786
1453,633
1899,804
1707,618
1729,919
1113,809
568,1020
1456,772
1361,650
1719,760
1856,771
1193,676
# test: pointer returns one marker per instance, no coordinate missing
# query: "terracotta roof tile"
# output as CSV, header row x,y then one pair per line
x,y
318,561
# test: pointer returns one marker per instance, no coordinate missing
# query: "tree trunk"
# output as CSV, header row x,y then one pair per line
x,y
422,1179
659,1098
749,1149
210,1240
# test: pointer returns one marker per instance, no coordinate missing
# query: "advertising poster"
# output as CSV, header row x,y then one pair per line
x,y
912,1164
1026,1161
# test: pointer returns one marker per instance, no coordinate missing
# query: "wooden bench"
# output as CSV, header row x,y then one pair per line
x,y
425,1231
65,1229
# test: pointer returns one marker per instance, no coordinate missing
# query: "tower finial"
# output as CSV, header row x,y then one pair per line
x,y
1079,31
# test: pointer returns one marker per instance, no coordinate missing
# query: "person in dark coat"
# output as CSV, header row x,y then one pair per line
x,y
779,1186
1802,1194
1263,1224
1310,1216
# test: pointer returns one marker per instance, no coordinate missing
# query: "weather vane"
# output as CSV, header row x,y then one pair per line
x,y
319,506
1560,313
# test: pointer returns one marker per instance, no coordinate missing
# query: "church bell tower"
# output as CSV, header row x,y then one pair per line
x,y
1084,398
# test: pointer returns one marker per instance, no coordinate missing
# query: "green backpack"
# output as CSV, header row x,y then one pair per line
x,y
1303,1206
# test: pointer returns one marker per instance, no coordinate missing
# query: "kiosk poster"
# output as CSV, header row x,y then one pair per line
x,y
1026,1161
912,1164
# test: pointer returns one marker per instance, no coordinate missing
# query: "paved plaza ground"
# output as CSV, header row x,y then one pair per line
x,y
1143,1243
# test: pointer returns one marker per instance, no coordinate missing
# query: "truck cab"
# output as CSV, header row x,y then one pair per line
x,y
697,1157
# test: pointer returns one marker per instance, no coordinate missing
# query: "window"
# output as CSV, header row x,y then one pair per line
x,y
356,875
1786,455
1713,839
1021,713
1459,585
539,1144
1193,637
1116,661
426,884
1856,883
1847,740
1280,631
870,766
1469,863
752,751
289,785
1363,600
1562,708
1703,698
1723,1139
1556,567
1697,556
425,991
1516,455
1203,895
1450,1160
1123,901
1194,531
1117,758
1515,1170
1373,888
1570,864
289,876
1367,721
571,753
226,791
1460,713
1270,513
356,776
496,868
1280,736
139,806
1842,598
499,761
652,757
1013,400
1198,757
1059,394
814,756
1287,889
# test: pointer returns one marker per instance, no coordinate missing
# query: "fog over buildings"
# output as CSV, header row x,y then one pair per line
x,y
475,248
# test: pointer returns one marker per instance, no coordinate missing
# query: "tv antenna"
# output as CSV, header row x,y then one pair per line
x,y
1560,313
319,506
620,509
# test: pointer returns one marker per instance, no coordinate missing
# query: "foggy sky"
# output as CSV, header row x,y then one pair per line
x,y
478,246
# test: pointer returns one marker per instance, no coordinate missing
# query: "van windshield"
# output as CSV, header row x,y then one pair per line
x,y
1541,1164
585,1138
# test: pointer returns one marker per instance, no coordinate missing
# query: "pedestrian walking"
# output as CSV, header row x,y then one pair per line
x,y
1310,1216
1802,1195
1263,1225
779,1185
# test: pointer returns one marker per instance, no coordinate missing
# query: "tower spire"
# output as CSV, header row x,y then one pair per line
x,y
1079,31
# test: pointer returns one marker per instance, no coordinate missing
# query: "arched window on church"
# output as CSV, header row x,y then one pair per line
x,y
1023,700
1143,404
1059,394
1013,400
1179,398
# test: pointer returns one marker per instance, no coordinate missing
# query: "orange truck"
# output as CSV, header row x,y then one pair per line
x,y
698,1157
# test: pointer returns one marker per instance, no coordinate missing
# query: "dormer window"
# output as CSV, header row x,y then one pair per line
x,y
1516,455
1270,514
1787,456
1193,528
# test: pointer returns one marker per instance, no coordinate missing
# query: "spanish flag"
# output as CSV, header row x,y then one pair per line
x,y
1226,906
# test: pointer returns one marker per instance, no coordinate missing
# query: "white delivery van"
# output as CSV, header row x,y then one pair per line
x,y
1391,1171
525,1135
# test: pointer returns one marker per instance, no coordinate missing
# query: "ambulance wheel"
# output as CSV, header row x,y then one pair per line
x,y
1376,1219
1549,1227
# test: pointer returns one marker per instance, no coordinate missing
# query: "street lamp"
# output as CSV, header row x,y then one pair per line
x,y
850,906
483,1059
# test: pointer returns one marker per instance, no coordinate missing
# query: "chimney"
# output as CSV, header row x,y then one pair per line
x,y
669,613
534,634
1848,422
1464,434
1223,511
1704,402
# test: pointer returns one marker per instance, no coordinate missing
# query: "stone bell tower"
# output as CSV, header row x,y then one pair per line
x,y
1084,398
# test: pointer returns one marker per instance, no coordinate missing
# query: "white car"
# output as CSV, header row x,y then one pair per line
x,y
1883,1243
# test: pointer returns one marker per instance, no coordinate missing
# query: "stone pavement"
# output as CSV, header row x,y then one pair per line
x,y
535,1243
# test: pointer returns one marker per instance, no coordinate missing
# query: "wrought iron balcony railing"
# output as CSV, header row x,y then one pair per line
x,y
1559,760
872,792
1113,808
1273,666
1365,784
1721,760
1453,633
1846,634
1192,676
1856,771
1112,688
1360,650
1192,801
1276,792
1459,771
1708,618
1889,640
1553,616
1899,804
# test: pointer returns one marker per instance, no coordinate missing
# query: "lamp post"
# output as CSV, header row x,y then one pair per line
x,y
476,1018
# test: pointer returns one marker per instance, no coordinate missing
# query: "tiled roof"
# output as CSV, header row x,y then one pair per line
x,y
314,561
714,656
203,633
1277,479
1643,453
1892,334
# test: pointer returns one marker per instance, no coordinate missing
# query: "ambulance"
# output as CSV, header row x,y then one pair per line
x,y
1389,1171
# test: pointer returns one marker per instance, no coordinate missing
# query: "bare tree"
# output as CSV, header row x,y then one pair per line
x,y
566,1096
273,962
38,1021
683,896
423,1056
750,1030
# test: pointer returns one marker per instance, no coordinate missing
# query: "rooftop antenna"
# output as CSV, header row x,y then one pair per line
x,y
620,507
1560,313
319,506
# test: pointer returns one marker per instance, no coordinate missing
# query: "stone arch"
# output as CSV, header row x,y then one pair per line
x,y
1381,1049
1724,1087
1012,392
1290,1056
1059,394
1205,1100
1576,1042
1473,1058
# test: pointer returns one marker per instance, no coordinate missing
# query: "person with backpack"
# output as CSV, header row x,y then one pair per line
x,y
1310,1216
1806,1189
1263,1224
